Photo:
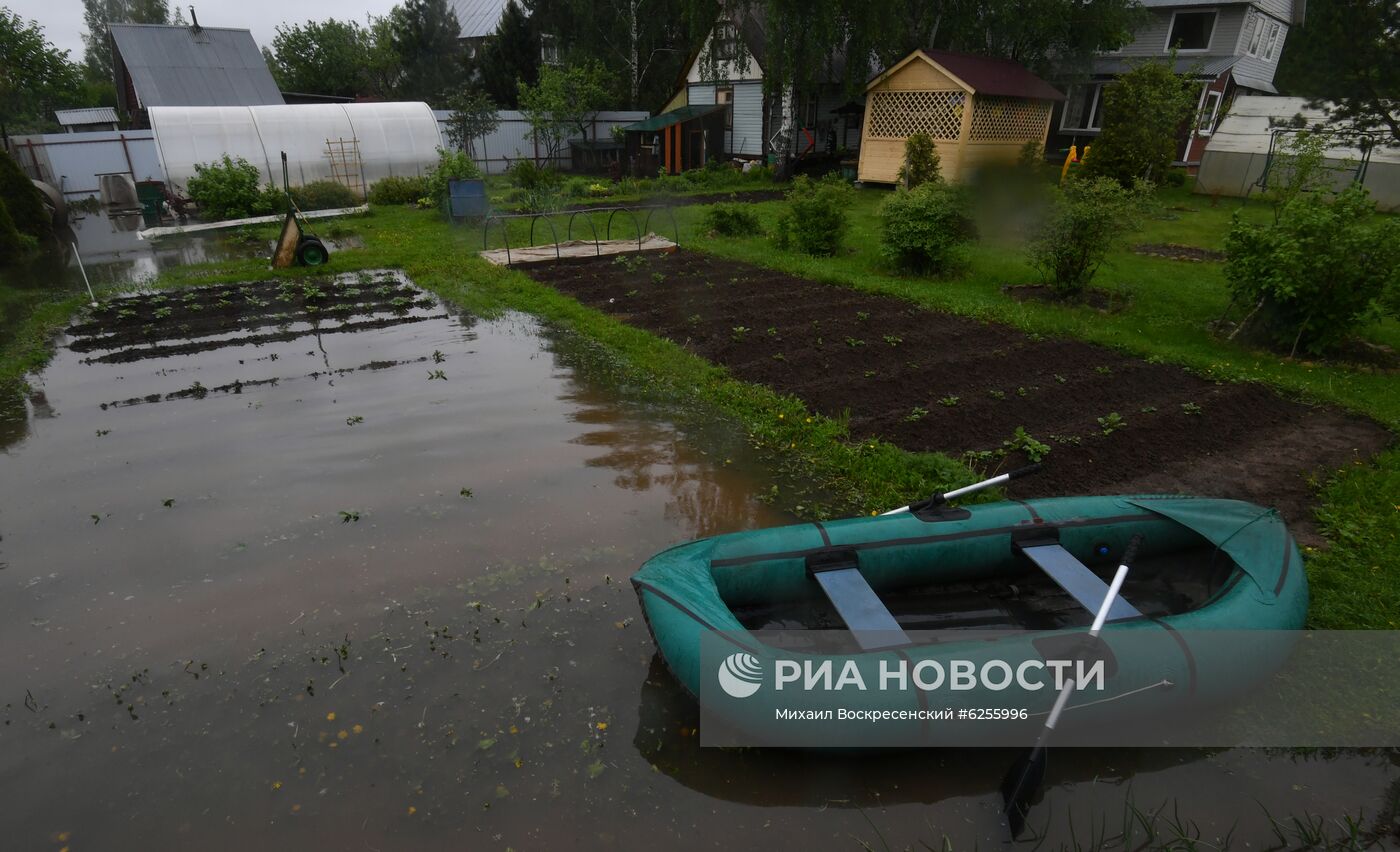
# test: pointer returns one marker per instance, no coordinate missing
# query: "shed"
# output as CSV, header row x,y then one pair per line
x,y
170,66
684,138
1238,151
86,119
977,109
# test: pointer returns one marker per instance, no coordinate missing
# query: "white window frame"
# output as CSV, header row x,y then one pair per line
x,y
1095,110
1210,105
1171,27
549,49
1256,38
728,92
724,42
1275,29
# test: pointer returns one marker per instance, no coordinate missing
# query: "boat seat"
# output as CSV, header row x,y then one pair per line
x,y
1075,578
865,615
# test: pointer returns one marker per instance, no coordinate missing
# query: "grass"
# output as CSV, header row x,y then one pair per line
x,y
1356,580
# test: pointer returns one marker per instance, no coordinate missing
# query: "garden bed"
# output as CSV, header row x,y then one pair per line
x,y
934,382
1176,251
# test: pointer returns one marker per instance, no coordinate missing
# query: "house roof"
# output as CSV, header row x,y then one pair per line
x,y
1210,66
1252,120
182,66
675,116
88,115
478,18
984,75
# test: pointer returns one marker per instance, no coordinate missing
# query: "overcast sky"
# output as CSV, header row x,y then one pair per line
x,y
62,20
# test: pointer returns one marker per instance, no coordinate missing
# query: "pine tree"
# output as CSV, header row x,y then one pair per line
x,y
425,34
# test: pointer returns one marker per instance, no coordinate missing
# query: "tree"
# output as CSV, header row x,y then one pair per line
x,y
23,201
647,40
35,77
509,57
560,106
321,57
473,116
1348,51
425,37
1143,112
381,64
97,14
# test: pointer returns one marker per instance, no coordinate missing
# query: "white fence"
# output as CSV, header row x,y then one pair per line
x,y
512,140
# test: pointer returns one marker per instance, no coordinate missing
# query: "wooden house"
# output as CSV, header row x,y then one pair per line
x,y
685,138
977,110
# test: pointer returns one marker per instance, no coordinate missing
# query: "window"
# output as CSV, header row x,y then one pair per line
x,y
725,95
1261,23
1083,107
549,49
1191,31
1205,124
1272,41
725,45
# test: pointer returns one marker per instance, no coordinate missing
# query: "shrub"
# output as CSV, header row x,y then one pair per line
x,y
1326,265
1087,221
10,247
450,165
399,190
921,163
226,189
324,195
24,201
527,175
815,218
581,187
732,219
926,229
1142,111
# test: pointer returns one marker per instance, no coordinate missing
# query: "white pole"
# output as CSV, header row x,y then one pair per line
x,y
83,270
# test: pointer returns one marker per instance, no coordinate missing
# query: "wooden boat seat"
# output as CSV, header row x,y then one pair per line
x,y
1075,578
865,615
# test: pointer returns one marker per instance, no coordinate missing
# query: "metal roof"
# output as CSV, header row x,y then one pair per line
x,y
1253,118
1210,66
478,18
676,116
181,66
88,115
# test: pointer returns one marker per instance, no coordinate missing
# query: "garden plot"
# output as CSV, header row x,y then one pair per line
x,y
989,393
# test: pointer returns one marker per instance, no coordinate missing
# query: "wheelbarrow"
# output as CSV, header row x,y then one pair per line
x,y
297,244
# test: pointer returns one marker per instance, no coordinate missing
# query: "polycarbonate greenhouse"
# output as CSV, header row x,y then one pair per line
x,y
355,144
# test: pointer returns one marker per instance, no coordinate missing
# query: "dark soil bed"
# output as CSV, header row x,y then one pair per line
x,y
1176,251
929,381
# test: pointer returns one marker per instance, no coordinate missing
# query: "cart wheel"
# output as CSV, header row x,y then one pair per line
x,y
312,252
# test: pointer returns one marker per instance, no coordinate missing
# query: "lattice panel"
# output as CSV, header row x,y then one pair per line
x,y
899,115
1003,119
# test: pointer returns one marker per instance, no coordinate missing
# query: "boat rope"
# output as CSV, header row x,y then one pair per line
x,y
1163,683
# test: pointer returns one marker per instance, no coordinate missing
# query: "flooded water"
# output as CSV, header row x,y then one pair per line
x,y
114,253
319,565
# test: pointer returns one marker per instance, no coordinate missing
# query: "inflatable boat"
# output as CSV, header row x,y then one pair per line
x,y
940,583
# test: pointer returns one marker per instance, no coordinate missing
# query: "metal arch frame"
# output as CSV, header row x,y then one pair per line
x,y
1365,141
641,228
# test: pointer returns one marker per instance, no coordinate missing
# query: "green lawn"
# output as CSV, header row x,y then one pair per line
x,y
1356,579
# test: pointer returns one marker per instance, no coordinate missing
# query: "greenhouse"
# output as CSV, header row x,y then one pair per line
x,y
354,144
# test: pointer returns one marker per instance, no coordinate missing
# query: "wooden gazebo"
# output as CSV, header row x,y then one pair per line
x,y
684,138
976,108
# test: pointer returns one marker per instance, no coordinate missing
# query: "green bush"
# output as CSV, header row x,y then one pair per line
x,y
733,219
921,162
24,201
1087,221
399,190
815,219
1326,265
324,195
927,229
10,247
527,175
1142,111
451,165
226,189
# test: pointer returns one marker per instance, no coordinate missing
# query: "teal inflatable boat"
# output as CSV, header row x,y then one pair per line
x,y
928,585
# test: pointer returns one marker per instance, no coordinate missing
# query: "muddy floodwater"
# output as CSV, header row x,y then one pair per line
x,y
332,565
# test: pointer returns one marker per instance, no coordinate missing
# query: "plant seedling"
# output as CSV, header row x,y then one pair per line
x,y
997,394
893,339
349,516
101,432
862,315
354,420
1111,423
1022,440
1190,408
738,332
466,492
168,502
853,342
1103,371
916,414
949,401
436,374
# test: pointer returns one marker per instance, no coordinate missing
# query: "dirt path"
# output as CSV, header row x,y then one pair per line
x,y
931,381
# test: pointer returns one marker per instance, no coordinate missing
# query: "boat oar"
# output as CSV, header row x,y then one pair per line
x,y
940,499
1021,783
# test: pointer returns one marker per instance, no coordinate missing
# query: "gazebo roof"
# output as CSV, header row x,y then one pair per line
x,y
984,75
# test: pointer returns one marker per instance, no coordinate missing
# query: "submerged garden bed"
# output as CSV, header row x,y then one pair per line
x,y
989,393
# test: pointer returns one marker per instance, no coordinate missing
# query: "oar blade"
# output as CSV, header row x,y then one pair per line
x,y
1019,787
